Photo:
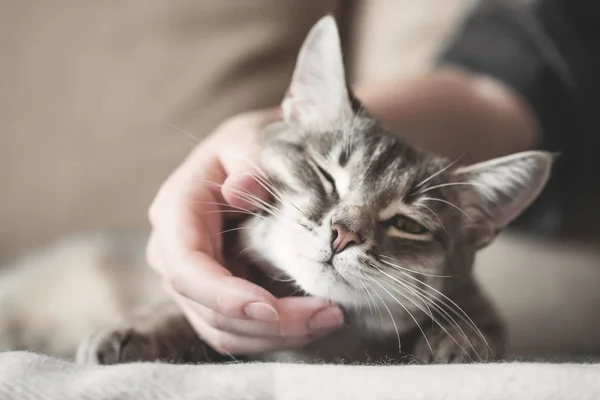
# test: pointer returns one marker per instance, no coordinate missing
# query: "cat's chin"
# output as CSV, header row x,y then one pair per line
x,y
282,249
322,280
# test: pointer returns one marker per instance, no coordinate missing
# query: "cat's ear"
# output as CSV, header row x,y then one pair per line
x,y
318,93
499,190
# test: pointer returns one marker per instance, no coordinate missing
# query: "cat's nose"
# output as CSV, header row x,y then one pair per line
x,y
343,238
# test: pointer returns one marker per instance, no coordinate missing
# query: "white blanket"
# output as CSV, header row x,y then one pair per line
x,y
28,376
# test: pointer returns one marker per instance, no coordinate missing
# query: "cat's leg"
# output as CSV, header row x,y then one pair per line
x,y
474,334
161,334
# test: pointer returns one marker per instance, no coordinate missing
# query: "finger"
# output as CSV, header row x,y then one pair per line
x,y
182,227
304,315
200,278
229,343
297,319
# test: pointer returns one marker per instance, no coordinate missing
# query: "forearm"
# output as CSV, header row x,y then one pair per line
x,y
26,376
451,112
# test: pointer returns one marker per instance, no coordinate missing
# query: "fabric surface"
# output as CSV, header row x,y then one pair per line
x,y
28,376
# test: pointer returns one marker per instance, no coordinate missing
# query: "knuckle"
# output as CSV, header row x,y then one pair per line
x,y
221,344
239,121
153,212
214,320
164,196
173,279
153,251
281,331
292,343
223,304
151,257
235,121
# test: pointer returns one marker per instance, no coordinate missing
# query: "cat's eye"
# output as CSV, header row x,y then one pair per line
x,y
407,225
329,181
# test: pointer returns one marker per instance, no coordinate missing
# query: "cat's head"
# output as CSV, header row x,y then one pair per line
x,y
360,213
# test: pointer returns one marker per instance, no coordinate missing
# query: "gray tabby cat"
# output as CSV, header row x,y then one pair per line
x,y
359,217
365,220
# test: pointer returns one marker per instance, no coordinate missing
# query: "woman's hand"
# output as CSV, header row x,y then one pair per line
x,y
231,314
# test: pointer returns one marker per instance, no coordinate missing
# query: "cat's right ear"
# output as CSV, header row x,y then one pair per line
x,y
318,94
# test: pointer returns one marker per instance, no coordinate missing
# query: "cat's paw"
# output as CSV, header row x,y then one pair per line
x,y
452,346
116,345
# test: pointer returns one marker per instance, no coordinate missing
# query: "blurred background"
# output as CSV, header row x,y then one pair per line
x,y
90,91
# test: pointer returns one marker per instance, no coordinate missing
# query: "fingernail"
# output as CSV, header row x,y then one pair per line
x,y
327,318
261,312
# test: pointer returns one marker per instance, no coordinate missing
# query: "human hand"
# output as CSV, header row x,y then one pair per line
x,y
233,315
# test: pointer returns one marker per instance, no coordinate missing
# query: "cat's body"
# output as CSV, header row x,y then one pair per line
x,y
81,285
51,299
359,217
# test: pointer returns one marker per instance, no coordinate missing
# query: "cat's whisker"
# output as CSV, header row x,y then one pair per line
x,y
447,202
430,188
416,294
239,228
256,202
395,266
375,305
279,196
426,296
248,197
405,309
253,165
187,134
368,294
447,317
297,290
234,211
429,313
389,312
263,180
268,187
456,309
424,181
221,204
241,194
434,213
278,279
244,250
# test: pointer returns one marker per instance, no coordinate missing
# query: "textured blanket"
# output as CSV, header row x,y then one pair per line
x,y
27,376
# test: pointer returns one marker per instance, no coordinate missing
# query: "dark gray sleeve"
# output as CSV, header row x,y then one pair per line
x,y
546,51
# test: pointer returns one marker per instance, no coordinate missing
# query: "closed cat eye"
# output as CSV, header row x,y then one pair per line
x,y
326,175
407,225
328,178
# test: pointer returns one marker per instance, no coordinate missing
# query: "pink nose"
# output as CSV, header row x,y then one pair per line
x,y
343,237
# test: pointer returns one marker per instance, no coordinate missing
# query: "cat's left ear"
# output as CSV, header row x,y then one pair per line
x,y
499,190
318,94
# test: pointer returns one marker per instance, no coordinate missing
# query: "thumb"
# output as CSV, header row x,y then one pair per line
x,y
245,191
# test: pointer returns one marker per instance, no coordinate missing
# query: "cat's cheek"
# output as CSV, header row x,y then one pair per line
x,y
279,242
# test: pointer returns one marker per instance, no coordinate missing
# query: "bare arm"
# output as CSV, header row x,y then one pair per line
x,y
451,112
